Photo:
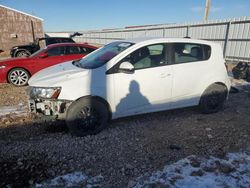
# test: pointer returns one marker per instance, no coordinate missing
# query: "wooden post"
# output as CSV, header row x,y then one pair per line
x,y
32,29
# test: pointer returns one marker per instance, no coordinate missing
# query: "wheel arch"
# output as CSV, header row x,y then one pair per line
x,y
215,83
222,84
221,93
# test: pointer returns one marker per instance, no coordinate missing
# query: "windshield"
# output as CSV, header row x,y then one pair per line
x,y
37,52
99,58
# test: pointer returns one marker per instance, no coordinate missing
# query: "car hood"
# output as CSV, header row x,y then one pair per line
x,y
57,74
12,60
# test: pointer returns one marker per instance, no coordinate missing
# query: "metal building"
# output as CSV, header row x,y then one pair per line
x,y
17,28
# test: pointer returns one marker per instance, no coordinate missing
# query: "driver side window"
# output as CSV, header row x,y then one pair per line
x,y
147,57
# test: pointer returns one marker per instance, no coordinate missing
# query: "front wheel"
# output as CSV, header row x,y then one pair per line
x,y
22,53
18,77
86,116
213,99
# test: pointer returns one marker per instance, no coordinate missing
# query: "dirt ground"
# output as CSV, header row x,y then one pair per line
x,y
10,95
31,151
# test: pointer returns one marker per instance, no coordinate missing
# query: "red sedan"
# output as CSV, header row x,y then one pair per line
x,y
17,71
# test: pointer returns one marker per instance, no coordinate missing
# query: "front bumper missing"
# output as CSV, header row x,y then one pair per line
x,y
48,107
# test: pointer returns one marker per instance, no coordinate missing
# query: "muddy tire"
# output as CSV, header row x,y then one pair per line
x,y
86,116
213,99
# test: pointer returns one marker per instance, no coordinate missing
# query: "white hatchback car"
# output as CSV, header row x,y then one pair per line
x,y
131,77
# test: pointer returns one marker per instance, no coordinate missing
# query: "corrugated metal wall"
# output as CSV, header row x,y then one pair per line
x,y
232,34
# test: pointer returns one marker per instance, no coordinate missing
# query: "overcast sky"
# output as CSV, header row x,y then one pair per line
x,y
73,15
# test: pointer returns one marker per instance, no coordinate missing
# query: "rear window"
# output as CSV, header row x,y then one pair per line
x,y
190,52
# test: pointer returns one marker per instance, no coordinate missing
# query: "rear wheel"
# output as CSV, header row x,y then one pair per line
x,y
18,77
86,116
213,99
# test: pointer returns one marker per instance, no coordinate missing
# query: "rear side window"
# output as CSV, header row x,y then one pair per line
x,y
73,50
87,50
78,50
190,52
56,51
207,51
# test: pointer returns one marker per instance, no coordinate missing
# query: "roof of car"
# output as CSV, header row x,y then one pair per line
x,y
70,44
149,39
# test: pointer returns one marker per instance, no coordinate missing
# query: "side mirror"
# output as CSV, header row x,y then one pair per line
x,y
126,67
43,55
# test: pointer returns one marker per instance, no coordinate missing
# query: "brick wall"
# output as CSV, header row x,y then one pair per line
x,y
16,29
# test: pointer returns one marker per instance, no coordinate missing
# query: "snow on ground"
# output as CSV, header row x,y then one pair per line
x,y
18,110
233,171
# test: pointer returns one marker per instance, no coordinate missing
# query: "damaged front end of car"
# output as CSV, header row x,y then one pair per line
x,y
44,101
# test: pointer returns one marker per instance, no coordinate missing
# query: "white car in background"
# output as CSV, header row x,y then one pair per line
x,y
131,77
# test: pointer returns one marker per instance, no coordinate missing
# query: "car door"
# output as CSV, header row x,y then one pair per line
x,y
149,87
190,65
54,56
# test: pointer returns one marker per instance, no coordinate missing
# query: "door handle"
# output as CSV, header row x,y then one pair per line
x,y
163,75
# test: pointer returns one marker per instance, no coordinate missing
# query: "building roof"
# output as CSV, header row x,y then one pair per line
x,y
21,12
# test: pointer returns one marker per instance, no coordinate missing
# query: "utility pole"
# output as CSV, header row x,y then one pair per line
x,y
207,7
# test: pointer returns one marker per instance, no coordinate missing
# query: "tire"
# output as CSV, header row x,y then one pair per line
x,y
213,99
86,116
22,53
18,77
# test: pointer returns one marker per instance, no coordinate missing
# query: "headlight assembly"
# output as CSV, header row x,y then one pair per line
x,y
45,92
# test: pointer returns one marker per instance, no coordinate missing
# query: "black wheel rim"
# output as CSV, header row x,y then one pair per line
x,y
88,119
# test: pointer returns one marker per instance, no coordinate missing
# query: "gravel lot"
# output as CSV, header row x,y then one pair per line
x,y
31,152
